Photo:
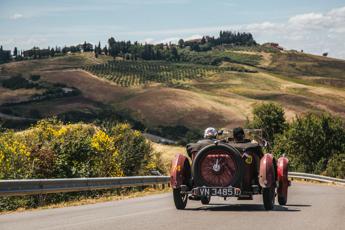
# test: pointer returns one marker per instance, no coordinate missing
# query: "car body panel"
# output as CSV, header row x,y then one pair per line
x,y
282,173
180,171
267,171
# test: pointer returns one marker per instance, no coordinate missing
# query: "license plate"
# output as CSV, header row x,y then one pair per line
x,y
214,191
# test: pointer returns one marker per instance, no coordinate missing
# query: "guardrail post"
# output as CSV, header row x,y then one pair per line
x,y
41,199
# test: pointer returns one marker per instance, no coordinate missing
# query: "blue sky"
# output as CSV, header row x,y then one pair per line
x,y
315,26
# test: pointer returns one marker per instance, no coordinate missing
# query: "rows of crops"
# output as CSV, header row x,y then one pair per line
x,y
135,73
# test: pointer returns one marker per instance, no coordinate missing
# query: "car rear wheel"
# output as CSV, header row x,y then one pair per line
x,y
205,200
282,200
282,192
217,166
180,199
268,195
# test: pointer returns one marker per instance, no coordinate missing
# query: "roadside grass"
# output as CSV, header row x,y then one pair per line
x,y
127,193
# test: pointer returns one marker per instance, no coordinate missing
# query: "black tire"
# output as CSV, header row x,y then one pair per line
x,y
180,199
268,195
282,200
205,200
196,172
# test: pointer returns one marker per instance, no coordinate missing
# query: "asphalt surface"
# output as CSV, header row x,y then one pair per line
x,y
310,206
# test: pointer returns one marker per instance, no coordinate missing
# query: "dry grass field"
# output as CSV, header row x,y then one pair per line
x,y
168,152
299,82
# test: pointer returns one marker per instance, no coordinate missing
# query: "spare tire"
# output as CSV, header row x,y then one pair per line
x,y
218,165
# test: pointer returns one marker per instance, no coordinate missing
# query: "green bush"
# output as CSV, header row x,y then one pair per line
x,y
51,149
270,118
215,57
134,149
14,157
35,77
336,166
311,141
18,82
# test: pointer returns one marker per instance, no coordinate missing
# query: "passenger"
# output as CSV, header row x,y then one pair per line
x,y
210,136
210,133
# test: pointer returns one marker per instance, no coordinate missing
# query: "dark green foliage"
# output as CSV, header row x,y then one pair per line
x,y
336,166
15,52
229,37
225,38
215,57
133,149
18,82
181,43
5,55
87,47
270,118
311,140
35,77
75,155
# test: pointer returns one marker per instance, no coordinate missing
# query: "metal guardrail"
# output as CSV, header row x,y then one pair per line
x,y
313,177
45,186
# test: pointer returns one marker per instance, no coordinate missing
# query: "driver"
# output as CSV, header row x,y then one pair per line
x,y
238,134
210,136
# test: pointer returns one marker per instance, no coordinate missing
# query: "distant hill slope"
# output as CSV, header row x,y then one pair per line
x,y
300,82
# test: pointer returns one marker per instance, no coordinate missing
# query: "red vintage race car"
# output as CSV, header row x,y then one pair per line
x,y
226,168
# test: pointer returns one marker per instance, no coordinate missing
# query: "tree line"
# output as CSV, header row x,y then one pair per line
x,y
134,50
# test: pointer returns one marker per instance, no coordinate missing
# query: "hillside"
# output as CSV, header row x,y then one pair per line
x,y
187,93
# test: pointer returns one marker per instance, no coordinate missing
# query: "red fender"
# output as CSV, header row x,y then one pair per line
x,y
180,171
282,172
267,171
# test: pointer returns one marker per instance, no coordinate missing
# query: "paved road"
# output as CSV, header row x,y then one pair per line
x,y
309,206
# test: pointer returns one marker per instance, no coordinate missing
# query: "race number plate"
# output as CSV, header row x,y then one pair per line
x,y
221,191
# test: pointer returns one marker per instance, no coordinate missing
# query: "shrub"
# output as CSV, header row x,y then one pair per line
x,y
311,140
35,77
134,150
270,118
14,157
59,150
51,149
155,164
18,82
75,156
107,161
336,166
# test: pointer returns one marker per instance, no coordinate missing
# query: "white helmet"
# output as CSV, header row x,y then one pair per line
x,y
210,133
